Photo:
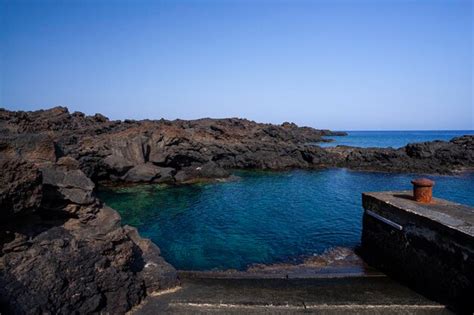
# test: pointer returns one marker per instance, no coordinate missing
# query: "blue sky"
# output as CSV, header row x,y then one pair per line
x,y
348,65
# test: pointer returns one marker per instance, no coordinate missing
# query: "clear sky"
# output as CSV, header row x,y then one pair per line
x,y
343,65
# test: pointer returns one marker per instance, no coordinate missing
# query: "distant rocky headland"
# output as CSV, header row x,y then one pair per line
x,y
63,250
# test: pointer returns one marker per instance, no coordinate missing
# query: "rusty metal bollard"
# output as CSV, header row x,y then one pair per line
x,y
423,189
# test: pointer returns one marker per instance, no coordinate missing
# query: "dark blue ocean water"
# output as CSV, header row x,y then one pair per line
x,y
264,217
395,139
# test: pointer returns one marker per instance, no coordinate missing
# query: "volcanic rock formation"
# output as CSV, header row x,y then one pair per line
x,y
63,250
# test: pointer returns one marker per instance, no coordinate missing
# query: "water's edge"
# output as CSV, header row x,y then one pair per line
x,y
263,217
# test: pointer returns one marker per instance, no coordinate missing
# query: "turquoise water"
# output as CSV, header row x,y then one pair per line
x,y
264,217
395,139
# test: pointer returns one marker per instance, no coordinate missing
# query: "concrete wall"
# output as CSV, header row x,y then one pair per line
x,y
429,247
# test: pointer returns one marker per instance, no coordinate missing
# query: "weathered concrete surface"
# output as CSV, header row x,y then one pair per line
x,y
432,250
361,295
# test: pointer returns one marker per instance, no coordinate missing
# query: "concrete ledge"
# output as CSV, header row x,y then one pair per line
x,y
352,295
428,246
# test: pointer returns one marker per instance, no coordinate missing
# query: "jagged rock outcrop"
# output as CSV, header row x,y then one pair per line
x,y
130,150
63,251
63,185
442,157
172,151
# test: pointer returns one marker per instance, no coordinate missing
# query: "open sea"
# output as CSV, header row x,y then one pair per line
x,y
269,217
394,139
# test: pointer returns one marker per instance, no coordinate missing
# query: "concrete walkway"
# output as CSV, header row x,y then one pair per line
x,y
375,294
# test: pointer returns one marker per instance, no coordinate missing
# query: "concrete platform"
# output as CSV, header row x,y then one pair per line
x,y
352,295
429,247
400,206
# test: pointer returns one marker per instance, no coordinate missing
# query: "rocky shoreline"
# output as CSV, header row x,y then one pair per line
x,y
334,262
63,250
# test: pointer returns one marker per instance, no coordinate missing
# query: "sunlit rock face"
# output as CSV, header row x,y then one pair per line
x,y
128,151
63,250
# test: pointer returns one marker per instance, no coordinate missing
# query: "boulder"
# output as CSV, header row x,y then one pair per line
x,y
165,175
117,164
63,186
149,172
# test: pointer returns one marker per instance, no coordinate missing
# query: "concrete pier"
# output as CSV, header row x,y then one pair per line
x,y
428,246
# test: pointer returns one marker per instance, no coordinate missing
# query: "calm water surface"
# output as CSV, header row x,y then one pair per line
x,y
264,217
395,139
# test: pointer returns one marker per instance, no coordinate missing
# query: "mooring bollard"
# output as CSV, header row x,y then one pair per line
x,y
423,189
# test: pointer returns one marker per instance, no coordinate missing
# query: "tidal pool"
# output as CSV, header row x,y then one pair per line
x,y
263,217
